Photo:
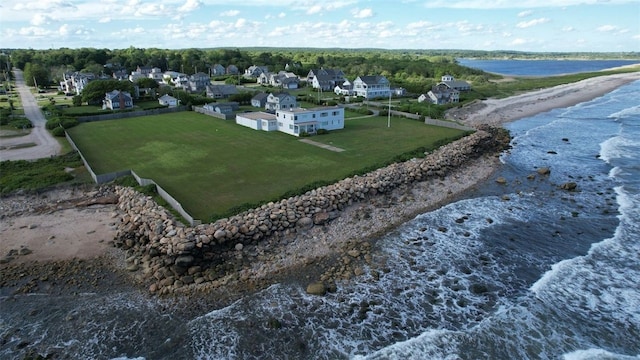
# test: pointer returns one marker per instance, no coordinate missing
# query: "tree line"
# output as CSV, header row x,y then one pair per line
x,y
414,70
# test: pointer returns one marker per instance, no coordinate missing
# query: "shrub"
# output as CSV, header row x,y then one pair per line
x,y
68,122
58,131
322,131
20,123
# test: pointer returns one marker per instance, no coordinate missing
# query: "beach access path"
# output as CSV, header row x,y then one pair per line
x,y
39,143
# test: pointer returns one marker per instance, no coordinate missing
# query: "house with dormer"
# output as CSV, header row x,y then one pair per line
x,y
452,83
280,101
371,87
441,94
325,79
117,100
254,71
259,100
198,82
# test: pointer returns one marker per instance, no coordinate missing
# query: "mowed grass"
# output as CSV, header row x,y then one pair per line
x,y
211,165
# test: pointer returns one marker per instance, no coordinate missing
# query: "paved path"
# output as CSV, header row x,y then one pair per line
x,y
46,144
324,146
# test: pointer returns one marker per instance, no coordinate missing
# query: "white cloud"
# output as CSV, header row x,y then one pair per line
x,y
523,4
525,13
530,23
281,15
40,19
518,42
105,20
43,5
190,5
568,29
362,13
314,10
607,28
230,13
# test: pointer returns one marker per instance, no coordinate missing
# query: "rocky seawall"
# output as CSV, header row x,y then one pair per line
x,y
168,255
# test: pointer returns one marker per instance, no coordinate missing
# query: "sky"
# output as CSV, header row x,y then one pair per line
x,y
519,25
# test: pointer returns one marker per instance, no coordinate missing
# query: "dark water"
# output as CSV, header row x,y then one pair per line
x,y
543,67
517,271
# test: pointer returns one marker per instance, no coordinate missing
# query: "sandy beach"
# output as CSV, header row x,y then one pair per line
x,y
49,227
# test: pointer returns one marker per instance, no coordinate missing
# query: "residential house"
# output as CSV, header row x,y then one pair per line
x,y
117,100
144,70
283,79
344,89
299,121
232,70
221,91
168,100
295,121
280,101
121,75
74,83
254,71
258,120
217,70
371,87
259,100
198,82
455,84
325,79
156,74
441,94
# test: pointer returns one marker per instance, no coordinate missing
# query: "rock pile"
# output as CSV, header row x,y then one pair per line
x,y
170,255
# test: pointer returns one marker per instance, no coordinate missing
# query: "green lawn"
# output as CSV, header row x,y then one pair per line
x,y
211,165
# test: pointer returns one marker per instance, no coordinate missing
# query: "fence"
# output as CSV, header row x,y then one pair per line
x,y
201,110
103,178
130,114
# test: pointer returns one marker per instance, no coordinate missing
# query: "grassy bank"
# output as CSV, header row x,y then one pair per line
x,y
212,165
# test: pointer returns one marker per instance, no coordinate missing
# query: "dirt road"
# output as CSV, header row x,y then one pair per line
x,y
17,148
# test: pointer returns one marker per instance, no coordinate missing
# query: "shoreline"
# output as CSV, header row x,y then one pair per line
x,y
313,255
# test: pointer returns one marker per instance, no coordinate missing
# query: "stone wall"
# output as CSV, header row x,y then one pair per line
x,y
171,255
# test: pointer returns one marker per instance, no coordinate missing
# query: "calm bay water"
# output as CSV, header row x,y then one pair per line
x,y
543,67
531,272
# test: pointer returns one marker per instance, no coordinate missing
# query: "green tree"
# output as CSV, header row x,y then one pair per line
x,y
95,91
36,74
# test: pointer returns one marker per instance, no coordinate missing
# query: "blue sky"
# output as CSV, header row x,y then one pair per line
x,y
522,25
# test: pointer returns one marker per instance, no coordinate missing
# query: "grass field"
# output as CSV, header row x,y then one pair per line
x,y
211,165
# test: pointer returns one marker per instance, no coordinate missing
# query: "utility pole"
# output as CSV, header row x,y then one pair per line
x,y
389,112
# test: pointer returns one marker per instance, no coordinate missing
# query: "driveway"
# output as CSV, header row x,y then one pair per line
x,y
45,144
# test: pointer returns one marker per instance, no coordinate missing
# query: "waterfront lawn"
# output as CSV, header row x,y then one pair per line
x,y
211,165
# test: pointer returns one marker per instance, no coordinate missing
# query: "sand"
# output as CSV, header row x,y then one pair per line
x,y
65,233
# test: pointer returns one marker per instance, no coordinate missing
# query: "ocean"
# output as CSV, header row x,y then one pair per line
x,y
522,270
542,67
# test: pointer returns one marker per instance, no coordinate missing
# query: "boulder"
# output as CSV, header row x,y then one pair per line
x,y
184,261
305,223
501,180
316,288
569,186
544,171
320,218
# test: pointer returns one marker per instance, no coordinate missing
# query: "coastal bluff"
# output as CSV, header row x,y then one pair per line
x,y
168,255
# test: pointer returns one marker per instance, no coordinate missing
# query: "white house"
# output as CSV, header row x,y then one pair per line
x,y
441,94
295,121
298,121
168,100
370,87
258,120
